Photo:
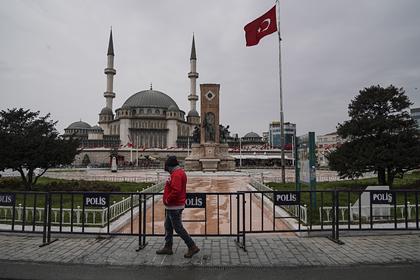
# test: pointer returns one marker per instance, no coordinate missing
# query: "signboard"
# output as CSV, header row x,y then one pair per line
x,y
286,198
306,158
366,198
195,200
382,197
306,163
96,199
7,199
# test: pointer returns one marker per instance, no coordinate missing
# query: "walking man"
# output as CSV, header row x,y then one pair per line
x,y
174,196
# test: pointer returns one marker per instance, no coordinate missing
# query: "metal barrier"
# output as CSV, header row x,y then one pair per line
x,y
88,177
234,214
333,210
138,214
25,212
217,213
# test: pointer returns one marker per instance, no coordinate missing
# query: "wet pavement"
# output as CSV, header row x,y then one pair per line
x,y
220,214
276,256
153,175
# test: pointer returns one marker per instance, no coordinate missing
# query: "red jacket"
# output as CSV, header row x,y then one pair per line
x,y
175,192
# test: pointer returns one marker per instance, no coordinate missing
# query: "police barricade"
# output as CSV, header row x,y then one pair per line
x,y
205,214
209,214
377,210
96,213
139,214
330,211
24,212
285,211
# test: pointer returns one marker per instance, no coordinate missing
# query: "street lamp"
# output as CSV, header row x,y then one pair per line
x,y
240,152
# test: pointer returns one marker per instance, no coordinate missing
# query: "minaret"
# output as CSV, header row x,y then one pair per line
x,y
107,115
193,116
110,72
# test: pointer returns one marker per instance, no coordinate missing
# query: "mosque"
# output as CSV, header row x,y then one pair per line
x,y
147,119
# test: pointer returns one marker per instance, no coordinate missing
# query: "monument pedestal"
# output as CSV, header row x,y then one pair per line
x,y
209,157
209,164
210,154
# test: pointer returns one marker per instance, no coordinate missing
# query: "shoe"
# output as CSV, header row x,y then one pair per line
x,y
192,251
167,250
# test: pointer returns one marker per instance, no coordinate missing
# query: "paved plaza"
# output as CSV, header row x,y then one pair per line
x,y
262,252
148,175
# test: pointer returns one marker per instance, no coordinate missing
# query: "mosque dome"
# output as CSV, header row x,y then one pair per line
x,y
106,111
150,98
252,135
96,128
173,108
193,113
79,125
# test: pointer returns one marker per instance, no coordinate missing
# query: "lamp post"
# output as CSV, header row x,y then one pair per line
x,y
131,153
188,145
240,152
293,150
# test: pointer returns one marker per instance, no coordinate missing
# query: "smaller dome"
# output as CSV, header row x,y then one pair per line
x,y
173,108
251,135
193,113
79,125
96,127
106,111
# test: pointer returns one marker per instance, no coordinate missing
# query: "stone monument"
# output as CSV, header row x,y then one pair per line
x,y
209,154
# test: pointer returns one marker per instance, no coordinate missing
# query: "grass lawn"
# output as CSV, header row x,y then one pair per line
x,y
409,182
68,186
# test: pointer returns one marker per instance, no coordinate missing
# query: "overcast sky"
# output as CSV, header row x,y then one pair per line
x,y
53,54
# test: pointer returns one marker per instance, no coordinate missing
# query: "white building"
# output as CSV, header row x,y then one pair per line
x,y
326,144
147,119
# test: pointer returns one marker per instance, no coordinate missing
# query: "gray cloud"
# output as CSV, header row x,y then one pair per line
x,y
53,54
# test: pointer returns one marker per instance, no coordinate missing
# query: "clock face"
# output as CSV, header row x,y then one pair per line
x,y
210,95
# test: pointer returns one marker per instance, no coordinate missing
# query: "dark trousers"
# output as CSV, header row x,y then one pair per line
x,y
173,221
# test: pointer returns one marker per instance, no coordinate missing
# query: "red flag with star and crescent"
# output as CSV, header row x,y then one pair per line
x,y
262,26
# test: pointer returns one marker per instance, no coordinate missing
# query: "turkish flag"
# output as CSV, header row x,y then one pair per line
x,y
262,26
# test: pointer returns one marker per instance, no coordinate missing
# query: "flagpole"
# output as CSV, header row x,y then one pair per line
x,y
282,138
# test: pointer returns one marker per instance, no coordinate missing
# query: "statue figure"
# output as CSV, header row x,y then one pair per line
x,y
196,135
224,133
208,125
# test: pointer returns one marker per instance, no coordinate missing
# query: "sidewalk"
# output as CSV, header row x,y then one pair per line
x,y
263,251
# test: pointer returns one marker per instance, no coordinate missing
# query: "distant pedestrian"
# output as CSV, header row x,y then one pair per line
x,y
174,197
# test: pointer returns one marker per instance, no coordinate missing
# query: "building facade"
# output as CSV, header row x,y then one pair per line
x,y
326,144
274,134
266,136
252,140
147,119
415,114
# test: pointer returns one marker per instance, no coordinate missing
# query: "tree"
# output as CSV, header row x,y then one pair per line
x,y
29,141
381,136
